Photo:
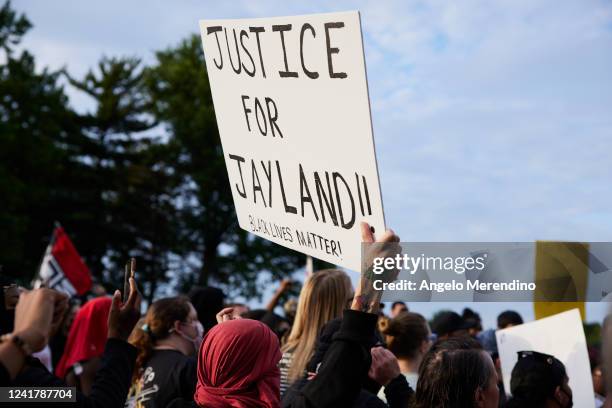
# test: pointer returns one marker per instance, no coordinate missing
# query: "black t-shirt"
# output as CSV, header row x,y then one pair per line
x,y
168,374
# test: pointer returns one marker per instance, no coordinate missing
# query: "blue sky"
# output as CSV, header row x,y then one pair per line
x,y
492,120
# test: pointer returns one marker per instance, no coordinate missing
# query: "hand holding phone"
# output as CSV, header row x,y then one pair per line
x,y
130,269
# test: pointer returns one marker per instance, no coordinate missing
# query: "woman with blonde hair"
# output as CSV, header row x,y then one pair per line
x,y
324,296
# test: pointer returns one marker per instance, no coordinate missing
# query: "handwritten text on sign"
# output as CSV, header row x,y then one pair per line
x,y
291,100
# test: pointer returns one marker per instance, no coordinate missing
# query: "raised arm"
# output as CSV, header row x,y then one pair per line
x,y
367,299
347,361
36,314
284,285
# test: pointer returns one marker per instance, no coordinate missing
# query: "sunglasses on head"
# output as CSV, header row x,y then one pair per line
x,y
544,358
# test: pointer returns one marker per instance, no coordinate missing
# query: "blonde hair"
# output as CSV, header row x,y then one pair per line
x,y
324,296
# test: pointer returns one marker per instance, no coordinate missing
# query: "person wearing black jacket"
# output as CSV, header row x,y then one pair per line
x,y
112,381
397,390
342,377
345,366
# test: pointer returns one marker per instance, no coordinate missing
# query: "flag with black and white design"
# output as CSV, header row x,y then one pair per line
x,y
62,268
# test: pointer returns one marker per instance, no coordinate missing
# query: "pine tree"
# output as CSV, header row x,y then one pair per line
x,y
133,183
36,125
227,255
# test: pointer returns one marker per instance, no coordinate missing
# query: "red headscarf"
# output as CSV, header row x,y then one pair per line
x,y
238,366
87,335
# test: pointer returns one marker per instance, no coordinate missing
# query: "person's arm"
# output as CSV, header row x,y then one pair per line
x,y
35,314
385,371
11,361
345,366
285,284
5,377
90,371
398,392
112,382
367,299
346,363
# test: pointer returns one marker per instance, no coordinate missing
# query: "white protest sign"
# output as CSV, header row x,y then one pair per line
x,y
292,107
561,336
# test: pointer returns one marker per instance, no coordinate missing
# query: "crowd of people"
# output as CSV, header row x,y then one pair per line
x,y
334,347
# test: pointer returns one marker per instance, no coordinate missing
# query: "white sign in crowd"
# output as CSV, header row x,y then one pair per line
x,y
561,336
291,100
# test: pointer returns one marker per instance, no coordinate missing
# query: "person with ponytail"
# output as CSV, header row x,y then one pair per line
x,y
167,341
408,337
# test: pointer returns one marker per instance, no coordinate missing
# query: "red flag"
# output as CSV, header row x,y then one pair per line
x,y
62,267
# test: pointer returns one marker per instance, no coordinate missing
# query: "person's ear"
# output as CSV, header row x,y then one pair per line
x,y
557,393
176,327
560,396
424,346
479,397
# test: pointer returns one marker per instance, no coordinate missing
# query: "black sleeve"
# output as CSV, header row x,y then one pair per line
x,y
110,387
35,373
345,365
5,378
112,383
398,392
